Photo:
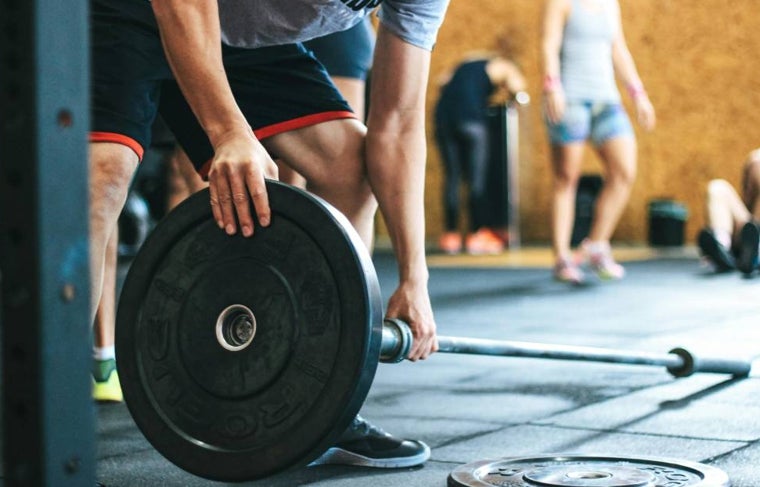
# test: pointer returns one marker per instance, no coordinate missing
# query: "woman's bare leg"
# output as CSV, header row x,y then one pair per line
x,y
619,158
566,164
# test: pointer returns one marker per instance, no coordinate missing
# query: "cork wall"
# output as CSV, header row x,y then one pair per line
x,y
699,60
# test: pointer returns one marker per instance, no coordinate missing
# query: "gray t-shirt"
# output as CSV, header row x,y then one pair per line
x,y
586,67
257,23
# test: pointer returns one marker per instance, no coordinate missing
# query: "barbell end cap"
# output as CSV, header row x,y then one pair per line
x,y
687,368
693,364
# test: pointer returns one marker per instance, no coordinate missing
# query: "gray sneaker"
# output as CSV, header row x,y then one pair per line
x,y
366,445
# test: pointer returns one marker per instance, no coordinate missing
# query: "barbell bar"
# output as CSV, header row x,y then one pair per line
x,y
397,341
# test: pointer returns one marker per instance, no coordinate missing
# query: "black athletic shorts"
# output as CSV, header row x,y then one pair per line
x,y
278,88
347,53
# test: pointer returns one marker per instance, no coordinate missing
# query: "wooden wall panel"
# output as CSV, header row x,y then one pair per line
x,y
699,62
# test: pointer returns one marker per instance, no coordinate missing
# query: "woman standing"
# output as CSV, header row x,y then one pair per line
x,y
583,49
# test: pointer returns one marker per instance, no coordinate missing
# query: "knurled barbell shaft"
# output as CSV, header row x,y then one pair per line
x,y
397,341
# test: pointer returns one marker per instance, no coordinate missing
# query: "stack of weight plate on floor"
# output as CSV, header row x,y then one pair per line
x,y
586,471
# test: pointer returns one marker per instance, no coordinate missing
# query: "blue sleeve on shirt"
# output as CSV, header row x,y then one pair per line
x,y
415,21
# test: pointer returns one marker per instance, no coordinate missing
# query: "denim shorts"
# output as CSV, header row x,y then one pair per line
x,y
596,121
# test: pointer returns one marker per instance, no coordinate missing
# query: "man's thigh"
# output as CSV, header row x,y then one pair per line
x,y
279,89
326,151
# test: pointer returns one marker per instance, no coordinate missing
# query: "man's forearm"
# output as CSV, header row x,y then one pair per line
x,y
192,40
399,188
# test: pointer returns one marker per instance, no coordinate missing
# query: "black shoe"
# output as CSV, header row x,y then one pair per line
x,y
750,240
716,253
366,445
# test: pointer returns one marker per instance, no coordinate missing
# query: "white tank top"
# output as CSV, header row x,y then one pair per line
x,y
586,68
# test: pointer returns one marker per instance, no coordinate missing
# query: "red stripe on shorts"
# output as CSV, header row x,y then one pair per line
x,y
118,139
286,126
301,122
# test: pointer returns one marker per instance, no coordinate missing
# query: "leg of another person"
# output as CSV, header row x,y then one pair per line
x,y
480,239
184,180
618,155
725,211
751,184
353,90
566,164
107,387
749,237
111,169
725,214
450,151
289,176
619,158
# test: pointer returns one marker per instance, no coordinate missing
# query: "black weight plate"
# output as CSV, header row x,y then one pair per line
x,y
284,399
586,471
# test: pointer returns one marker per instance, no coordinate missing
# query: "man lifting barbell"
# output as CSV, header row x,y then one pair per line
x,y
237,89
242,358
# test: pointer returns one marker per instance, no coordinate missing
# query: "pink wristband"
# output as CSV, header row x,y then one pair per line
x,y
551,83
636,90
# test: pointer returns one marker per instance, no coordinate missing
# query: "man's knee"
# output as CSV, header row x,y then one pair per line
x,y
343,165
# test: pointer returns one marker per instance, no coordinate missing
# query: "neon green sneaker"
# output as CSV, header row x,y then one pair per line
x,y
106,386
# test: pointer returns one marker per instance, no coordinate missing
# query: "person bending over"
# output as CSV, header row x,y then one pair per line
x,y
461,134
237,89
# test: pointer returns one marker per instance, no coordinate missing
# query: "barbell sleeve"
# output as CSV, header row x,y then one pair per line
x,y
398,339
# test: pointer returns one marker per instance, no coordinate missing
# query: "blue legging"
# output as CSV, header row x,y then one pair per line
x,y
464,150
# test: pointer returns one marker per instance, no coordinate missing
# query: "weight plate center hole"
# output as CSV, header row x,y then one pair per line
x,y
586,475
235,327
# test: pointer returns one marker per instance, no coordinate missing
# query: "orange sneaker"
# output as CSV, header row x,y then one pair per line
x,y
450,243
484,242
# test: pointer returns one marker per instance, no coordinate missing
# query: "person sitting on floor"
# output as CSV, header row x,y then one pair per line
x,y
731,237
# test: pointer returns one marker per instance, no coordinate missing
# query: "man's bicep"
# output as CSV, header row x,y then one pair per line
x,y
399,76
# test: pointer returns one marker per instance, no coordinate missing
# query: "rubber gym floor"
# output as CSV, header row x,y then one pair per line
x,y
470,408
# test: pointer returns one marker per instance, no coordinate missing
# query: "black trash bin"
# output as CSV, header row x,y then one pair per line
x,y
667,219
589,187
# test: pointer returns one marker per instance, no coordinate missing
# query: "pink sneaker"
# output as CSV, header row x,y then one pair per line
x,y
601,262
567,271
